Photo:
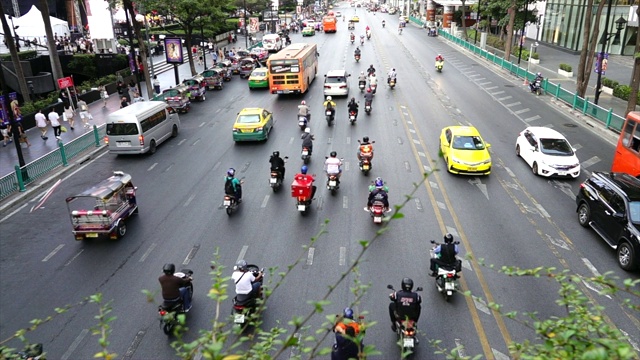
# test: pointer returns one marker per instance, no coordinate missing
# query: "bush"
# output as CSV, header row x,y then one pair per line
x,y
524,55
609,83
84,64
22,55
566,67
622,92
495,42
535,55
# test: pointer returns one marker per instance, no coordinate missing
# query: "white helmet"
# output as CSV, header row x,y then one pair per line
x,y
328,98
307,130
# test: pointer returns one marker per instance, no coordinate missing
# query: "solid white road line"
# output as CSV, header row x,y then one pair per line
x,y
74,344
53,253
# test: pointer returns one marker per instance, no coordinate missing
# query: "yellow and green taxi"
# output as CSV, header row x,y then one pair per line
x,y
464,151
259,78
355,18
252,124
308,31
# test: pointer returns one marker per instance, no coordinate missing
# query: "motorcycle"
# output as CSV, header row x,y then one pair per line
x,y
169,310
383,24
362,41
244,305
362,85
392,83
357,57
275,181
365,158
373,88
368,35
446,278
367,107
406,330
352,117
377,211
330,115
439,65
353,39
302,191
535,87
305,155
333,183
302,122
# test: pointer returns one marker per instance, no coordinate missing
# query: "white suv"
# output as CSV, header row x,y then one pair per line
x,y
336,82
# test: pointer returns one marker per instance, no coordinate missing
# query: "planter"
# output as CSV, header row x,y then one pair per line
x,y
607,90
565,73
534,61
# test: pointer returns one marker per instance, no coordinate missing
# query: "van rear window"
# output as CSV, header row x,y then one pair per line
x,y
122,129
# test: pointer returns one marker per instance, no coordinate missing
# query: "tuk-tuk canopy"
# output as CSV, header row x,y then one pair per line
x,y
196,80
211,72
177,90
106,188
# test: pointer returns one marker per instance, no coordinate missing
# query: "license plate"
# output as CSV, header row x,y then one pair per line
x,y
91,235
227,203
123,143
273,180
368,108
408,342
562,173
305,152
302,207
352,117
247,130
238,319
472,168
377,219
328,113
332,183
449,286
300,123
365,167
283,91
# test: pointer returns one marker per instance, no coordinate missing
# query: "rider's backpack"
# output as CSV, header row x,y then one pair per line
x,y
228,187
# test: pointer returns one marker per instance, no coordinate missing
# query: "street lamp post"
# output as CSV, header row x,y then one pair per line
x,y
620,24
534,45
139,18
538,23
475,38
246,35
203,45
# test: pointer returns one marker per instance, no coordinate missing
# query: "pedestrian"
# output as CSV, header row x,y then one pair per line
x,y
120,87
41,123
69,116
156,84
85,115
136,97
104,95
123,102
200,56
214,55
22,135
5,130
54,120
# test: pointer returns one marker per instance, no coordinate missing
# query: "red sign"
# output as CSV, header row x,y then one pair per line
x,y
65,82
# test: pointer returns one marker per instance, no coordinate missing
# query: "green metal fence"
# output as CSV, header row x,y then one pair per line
x,y
605,116
17,180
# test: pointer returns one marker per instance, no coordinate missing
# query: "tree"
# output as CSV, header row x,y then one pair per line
x,y
463,20
589,44
510,28
14,56
128,6
56,68
635,78
254,6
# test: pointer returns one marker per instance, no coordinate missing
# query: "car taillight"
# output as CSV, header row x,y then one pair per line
x,y
449,275
106,140
163,313
141,139
327,87
582,186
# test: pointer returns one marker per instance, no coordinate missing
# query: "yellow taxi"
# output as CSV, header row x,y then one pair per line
x,y
464,151
252,124
259,78
355,19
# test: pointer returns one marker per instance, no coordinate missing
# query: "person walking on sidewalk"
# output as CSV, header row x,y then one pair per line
x,y
214,56
156,84
124,102
85,115
5,130
54,119
70,116
103,95
41,123
17,128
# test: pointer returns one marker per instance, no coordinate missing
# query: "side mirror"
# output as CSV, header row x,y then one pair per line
x,y
373,142
419,288
432,241
390,287
325,75
487,145
286,157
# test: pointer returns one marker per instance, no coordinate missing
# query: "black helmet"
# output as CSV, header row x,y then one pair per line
x,y
407,284
276,154
169,269
333,154
448,239
348,313
365,139
241,265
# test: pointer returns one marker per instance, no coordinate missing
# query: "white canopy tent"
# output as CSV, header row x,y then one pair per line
x,y
31,25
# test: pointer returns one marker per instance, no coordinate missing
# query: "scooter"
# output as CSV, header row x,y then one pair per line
x,y
302,122
439,65
169,310
377,211
368,35
367,107
535,87
275,181
330,115
406,330
353,39
333,184
352,117
303,193
230,204
446,278
383,24
245,305
357,57
361,41
392,83
305,155
373,88
362,85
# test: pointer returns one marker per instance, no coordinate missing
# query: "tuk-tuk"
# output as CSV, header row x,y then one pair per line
x,y
235,63
104,208
214,78
177,98
351,26
197,87
246,66
243,53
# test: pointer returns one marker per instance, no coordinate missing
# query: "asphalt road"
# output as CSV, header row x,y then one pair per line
x,y
509,218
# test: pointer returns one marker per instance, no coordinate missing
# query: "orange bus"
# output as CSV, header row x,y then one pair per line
x,y
627,156
292,69
329,23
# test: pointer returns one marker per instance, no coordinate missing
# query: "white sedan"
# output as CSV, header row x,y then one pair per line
x,y
547,152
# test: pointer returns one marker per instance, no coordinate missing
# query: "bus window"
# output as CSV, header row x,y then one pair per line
x,y
626,159
631,136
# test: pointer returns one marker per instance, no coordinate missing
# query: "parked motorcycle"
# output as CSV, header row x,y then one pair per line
x,y
439,65
306,155
535,87
302,122
367,107
245,306
169,310
406,330
352,117
446,278
330,115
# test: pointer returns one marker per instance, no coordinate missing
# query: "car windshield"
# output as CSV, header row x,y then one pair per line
x,y
634,211
334,80
122,129
468,143
556,147
249,119
260,73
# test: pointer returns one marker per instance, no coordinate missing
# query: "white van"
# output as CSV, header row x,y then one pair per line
x,y
139,128
272,42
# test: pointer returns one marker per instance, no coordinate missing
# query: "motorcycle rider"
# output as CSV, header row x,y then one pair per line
x,y
247,283
365,147
405,304
362,40
383,23
329,104
439,58
304,110
345,347
352,36
232,185
175,289
302,177
353,106
277,164
392,75
400,28
373,82
447,252
368,97
356,53
371,70
333,166
362,78
379,193
307,140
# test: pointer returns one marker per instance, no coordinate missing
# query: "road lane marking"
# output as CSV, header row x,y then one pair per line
x,y
530,119
46,258
513,104
491,88
505,98
291,141
480,305
418,204
191,254
195,142
134,345
310,256
557,242
189,200
264,202
46,195
182,142
202,124
146,253
345,202
216,165
461,352
169,168
518,112
348,140
152,166
74,344
242,252
343,256
497,93
73,258
591,161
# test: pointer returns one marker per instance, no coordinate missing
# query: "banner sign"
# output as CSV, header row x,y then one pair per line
x,y
17,114
605,62
65,82
4,118
173,51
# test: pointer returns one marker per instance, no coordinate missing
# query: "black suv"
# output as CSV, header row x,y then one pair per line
x,y
610,204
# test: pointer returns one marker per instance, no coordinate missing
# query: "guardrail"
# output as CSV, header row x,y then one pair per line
x,y
18,180
605,116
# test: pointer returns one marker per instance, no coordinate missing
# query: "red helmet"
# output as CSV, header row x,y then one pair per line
x,y
369,90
